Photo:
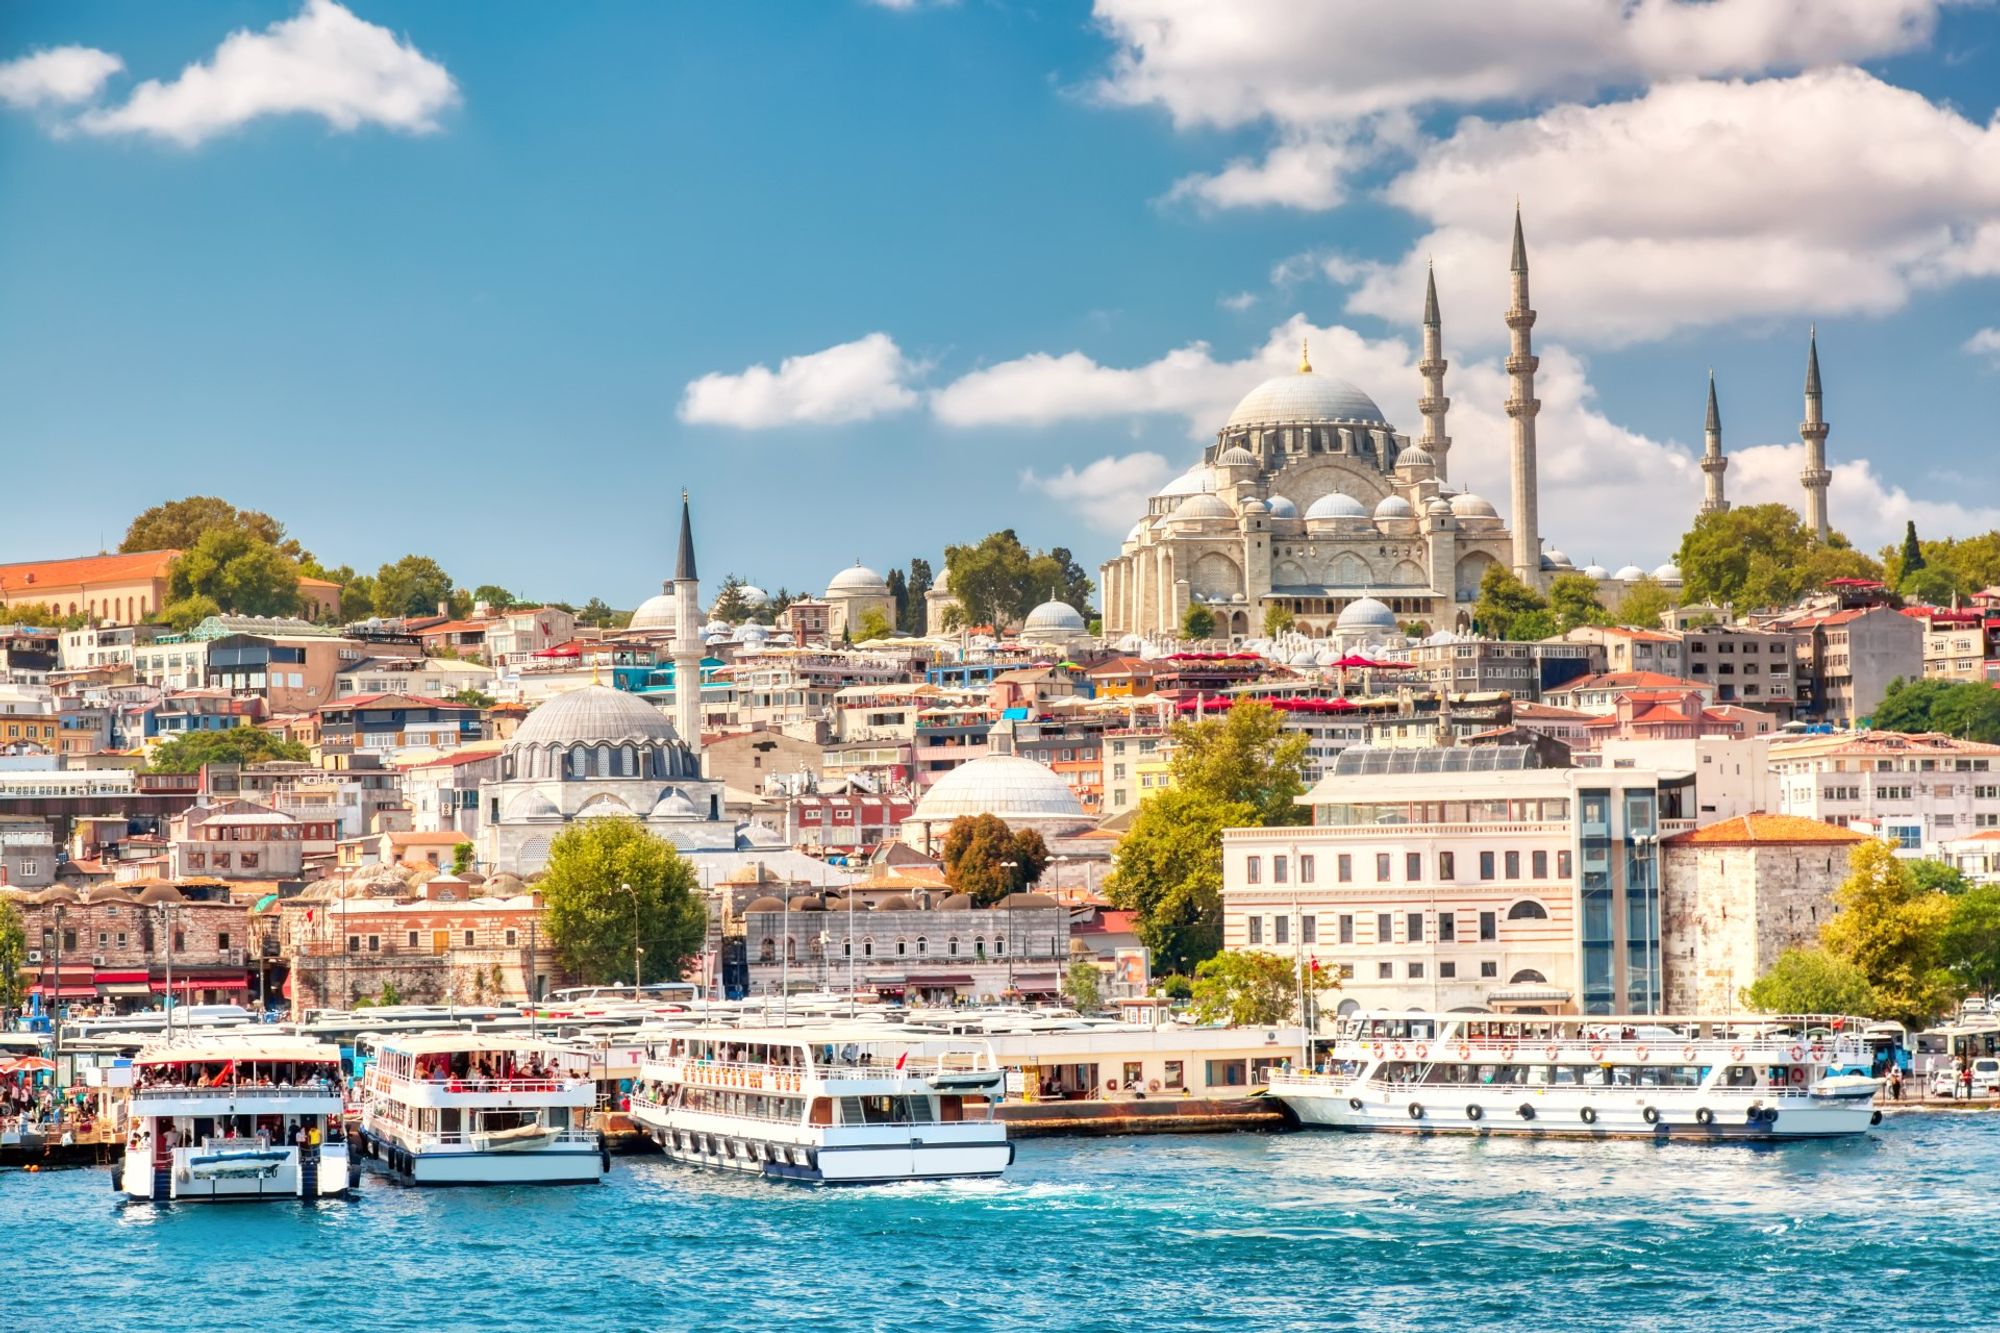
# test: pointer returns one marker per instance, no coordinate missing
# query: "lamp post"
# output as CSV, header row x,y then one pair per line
x,y
1010,865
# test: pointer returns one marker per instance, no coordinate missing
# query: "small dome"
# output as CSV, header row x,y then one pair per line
x,y
1595,572
1236,456
1394,506
750,631
1415,456
1305,397
161,893
1366,613
1668,573
895,902
1556,559
1282,507
656,612
1194,481
1629,573
1006,785
532,804
1304,658
1253,505
1055,618
1014,902
592,714
1138,531
1335,505
958,902
766,904
675,805
857,581
1467,505
807,903
754,598
63,893
1439,507
1203,506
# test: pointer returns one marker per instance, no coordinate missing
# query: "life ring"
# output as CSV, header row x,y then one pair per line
x,y
1687,1052
1153,1085
1589,1114
1798,1052
1652,1114
1507,1051
1354,1103
1641,1053
1423,1051
1553,1052
1473,1112
1704,1116
1736,1052
1111,1085
1379,1049
1798,1074
1597,1053
1416,1111
1527,1111
1464,1051
1399,1050
1818,1054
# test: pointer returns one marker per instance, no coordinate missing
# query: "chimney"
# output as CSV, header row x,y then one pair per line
x,y
444,609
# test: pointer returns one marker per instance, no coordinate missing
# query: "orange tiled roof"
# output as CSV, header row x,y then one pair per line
x,y
21,581
1625,680
1757,829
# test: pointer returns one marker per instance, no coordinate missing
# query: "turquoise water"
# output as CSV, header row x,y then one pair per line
x,y
1242,1232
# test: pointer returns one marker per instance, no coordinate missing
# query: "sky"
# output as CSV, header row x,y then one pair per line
x,y
494,283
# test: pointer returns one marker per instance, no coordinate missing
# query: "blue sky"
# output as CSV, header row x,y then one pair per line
x,y
491,282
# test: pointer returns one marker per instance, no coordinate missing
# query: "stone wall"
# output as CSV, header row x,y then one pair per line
x,y
1728,912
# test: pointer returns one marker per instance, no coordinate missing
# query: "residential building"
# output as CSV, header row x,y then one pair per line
x,y
449,944
28,655
1600,694
1846,660
1732,774
1674,714
1135,766
112,943
443,793
30,720
848,823
745,760
27,852
1757,668
1524,670
95,647
1628,649
421,677
383,723
1923,791
1739,892
234,840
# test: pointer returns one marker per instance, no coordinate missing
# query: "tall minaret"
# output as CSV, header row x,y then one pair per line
x,y
1433,404
1813,431
1522,405
687,639
1713,464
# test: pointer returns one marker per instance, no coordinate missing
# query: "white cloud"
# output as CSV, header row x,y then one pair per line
x,y
322,62
1111,492
59,76
1701,202
1861,504
1985,343
1306,173
852,381
1237,301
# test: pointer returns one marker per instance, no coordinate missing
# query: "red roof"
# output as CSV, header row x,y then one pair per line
x,y
1625,680
1751,830
371,700
21,581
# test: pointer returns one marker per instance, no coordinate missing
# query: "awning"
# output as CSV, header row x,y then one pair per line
x,y
217,981
65,992
1528,995
942,979
127,988
116,977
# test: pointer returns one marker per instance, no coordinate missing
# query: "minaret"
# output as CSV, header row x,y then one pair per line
x,y
1522,405
1813,431
1433,404
687,639
1713,464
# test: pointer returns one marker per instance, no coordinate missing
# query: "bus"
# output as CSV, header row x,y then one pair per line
x,y
1948,1047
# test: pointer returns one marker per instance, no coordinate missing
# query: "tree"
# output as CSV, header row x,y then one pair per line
x,y
987,859
461,857
731,607
188,612
1573,602
1893,930
1932,586
13,956
1913,553
1532,626
1244,755
1278,620
1503,599
1054,573
1762,555
874,625
919,584
1643,604
1082,984
179,525
1971,943
187,752
41,615
1811,981
1968,709
1247,988
1168,869
495,596
899,592
590,916
416,585
242,574
1198,622
1939,877
998,581
596,614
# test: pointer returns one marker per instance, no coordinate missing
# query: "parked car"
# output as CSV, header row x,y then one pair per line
x,y
1986,1075
1944,1082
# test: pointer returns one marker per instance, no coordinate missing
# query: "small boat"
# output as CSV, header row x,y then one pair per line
x,y
252,1162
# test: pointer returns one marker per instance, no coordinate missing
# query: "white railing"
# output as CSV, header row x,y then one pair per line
x,y
478,1085
1354,1084
229,1091
663,1108
1306,834
427,1142
1662,1050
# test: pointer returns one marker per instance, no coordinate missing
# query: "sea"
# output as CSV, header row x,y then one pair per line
x,y
1898,1230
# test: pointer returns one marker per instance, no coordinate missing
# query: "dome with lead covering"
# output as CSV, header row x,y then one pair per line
x,y
1194,481
1394,506
1202,506
856,581
591,714
1334,504
1467,505
1668,573
1367,614
656,612
1055,618
1305,398
1629,574
1282,507
1236,456
1020,791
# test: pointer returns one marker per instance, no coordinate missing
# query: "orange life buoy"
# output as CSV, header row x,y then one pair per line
x,y
1399,1050
1736,1052
1111,1085
1152,1085
1507,1051
1818,1054
1687,1052
1553,1052
1641,1053
1597,1052
1798,1052
1423,1051
1464,1051
1798,1075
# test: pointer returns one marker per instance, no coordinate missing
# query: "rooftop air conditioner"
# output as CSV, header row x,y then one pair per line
x,y
34,955
97,960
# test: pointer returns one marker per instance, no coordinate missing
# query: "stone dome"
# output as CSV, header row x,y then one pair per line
x,y
958,902
1334,504
532,804
594,714
1282,507
1595,572
1668,573
1305,397
1467,505
766,904
857,581
1394,506
1055,618
1017,790
1629,573
1138,531
1416,456
805,902
895,902
1015,902
1194,481
1236,456
1304,658
1203,506
754,598
656,612
160,893
1439,507
1367,614
675,805
1556,559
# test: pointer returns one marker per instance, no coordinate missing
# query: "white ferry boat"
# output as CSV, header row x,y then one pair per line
x,y
1594,1076
843,1105
235,1115
470,1108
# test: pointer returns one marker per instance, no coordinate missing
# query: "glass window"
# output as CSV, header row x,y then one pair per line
x,y
1345,868
1414,924
1305,870
1562,864
1347,928
1539,861
1385,933
1381,867
1281,930
1447,971
1281,870
1489,968
1385,971
1413,866
1308,929
1513,864
1486,865
1253,869
1489,926
1416,971
1256,928
1175,1076
1447,865
1447,928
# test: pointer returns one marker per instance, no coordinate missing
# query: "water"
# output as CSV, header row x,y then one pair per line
x,y
1239,1232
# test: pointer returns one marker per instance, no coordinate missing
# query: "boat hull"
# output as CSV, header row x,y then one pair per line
x,y
557,1164
190,1179
804,1162
1443,1110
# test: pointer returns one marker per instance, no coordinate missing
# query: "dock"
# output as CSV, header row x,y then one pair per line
x,y
1103,1118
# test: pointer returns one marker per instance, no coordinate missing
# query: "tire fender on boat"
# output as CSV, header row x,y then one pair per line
x,y
1589,1115
1652,1115
1704,1116
1354,1104
1875,1119
1473,1112
1416,1110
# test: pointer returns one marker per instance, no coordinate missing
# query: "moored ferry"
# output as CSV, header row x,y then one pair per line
x,y
468,1108
235,1115
833,1105
1593,1076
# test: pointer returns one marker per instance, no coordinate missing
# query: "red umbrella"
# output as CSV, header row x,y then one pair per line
x,y
28,1064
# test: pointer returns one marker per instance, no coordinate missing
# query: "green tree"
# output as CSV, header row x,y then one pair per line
x,y
985,858
1573,602
1244,755
1504,599
1932,586
41,615
1198,622
1278,620
1083,986
472,697
461,857
1971,943
357,591
1913,552
1168,869
1762,555
1644,602
186,753
1532,626
1247,988
416,585
1892,930
998,581
919,583
13,956
1939,877
596,614
242,574
899,593
1811,981
1968,709
496,597
590,915
188,612
874,625
179,525
731,607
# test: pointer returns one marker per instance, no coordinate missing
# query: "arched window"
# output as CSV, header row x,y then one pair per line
x,y
979,947
769,953
603,761
1527,910
576,762
627,765
868,948
951,946
791,950
923,947
1525,976
847,948
902,947
999,947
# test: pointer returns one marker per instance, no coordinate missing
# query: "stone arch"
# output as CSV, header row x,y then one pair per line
x,y
1470,570
604,804
1348,570
1525,977
1527,910
1289,573
1215,575
1409,573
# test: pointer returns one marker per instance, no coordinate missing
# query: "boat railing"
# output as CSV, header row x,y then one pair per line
x,y
1302,1079
232,1091
460,1139
234,1143
476,1085
760,1077
1663,1049
770,1118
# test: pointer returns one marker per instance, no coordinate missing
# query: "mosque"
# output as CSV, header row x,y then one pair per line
x,y
1310,500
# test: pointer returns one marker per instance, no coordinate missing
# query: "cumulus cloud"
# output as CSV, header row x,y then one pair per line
x,y
1702,202
852,381
1111,492
1985,343
1307,173
60,76
322,62
1859,502
1237,301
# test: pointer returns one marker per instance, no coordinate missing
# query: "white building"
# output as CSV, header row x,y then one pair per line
x,y
1923,791
1732,774
1025,794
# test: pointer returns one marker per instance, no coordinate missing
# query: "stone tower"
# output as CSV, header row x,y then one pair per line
x,y
687,638
1813,431
1434,404
1713,464
1522,407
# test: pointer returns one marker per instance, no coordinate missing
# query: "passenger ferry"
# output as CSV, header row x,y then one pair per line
x,y
471,1108
1595,1076
235,1115
834,1105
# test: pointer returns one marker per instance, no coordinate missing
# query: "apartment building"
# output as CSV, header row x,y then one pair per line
x,y
1754,667
1923,791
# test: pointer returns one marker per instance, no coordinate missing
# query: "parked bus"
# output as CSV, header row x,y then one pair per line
x,y
1948,1047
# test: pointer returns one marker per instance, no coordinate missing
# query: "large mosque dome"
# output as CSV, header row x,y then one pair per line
x,y
1058,619
1020,791
857,581
656,612
1305,397
591,715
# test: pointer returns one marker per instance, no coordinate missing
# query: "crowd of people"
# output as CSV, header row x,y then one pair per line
x,y
486,1067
